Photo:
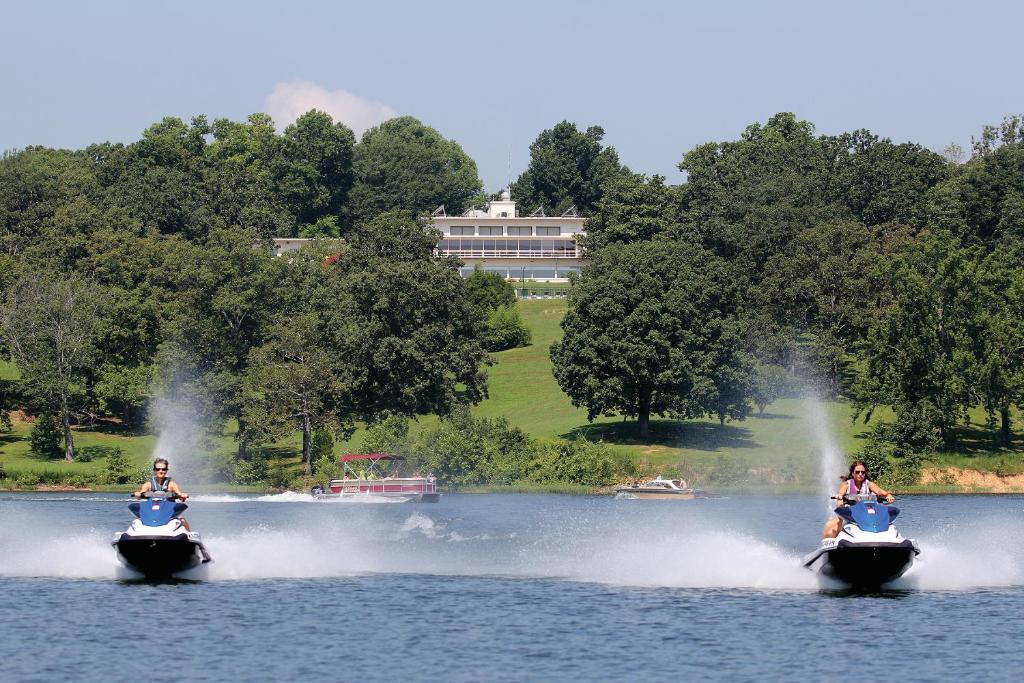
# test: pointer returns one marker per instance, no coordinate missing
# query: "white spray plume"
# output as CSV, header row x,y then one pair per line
x,y
830,458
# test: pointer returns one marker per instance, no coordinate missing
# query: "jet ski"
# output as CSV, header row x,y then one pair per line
x,y
157,544
869,551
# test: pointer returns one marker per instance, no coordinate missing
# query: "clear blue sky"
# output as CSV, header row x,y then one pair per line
x,y
660,77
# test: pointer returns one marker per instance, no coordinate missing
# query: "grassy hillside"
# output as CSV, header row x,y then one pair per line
x,y
788,436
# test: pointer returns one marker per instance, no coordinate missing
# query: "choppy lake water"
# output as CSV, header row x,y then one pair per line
x,y
506,588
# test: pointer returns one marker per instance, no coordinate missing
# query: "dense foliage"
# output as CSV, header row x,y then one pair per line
x,y
568,168
652,328
135,276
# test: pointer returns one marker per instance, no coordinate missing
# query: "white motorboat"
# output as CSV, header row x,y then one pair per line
x,y
661,489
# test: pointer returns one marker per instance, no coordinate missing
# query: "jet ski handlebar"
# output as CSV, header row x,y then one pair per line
x,y
857,499
165,495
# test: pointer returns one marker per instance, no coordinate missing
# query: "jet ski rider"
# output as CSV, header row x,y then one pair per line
x,y
855,484
161,482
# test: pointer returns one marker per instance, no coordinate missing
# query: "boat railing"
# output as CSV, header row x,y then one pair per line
x,y
392,485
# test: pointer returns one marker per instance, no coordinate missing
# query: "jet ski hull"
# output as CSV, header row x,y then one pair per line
x,y
864,565
160,557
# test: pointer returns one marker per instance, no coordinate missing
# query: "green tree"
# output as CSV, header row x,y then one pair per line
x,y
825,283
652,328
401,324
316,177
748,197
225,293
393,236
405,165
632,208
51,325
879,181
1000,368
568,167
161,179
291,383
36,184
992,182
921,354
45,437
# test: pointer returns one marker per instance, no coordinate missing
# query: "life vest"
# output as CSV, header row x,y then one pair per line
x,y
153,486
852,491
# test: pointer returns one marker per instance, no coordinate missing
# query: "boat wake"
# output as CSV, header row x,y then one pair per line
x,y
604,551
290,497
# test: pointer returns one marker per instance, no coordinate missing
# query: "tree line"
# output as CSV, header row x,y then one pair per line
x,y
881,271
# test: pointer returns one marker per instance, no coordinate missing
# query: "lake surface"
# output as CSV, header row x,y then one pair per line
x,y
506,588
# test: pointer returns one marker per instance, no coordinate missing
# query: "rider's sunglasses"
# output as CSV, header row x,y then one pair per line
x,y
860,471
159,469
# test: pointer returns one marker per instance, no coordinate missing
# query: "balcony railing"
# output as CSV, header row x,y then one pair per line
x,y
508,248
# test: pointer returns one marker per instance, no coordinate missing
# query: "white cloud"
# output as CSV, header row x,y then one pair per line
x,y
290,100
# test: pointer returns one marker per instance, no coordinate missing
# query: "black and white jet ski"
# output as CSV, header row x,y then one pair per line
x,y
157,544
869,551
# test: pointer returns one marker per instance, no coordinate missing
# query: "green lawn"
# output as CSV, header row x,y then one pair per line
x,y
787,436
7,370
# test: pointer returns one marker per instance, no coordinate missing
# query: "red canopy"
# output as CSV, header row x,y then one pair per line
x,y
371,456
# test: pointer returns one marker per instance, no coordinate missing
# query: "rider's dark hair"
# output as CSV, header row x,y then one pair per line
x,y
161,460
853,466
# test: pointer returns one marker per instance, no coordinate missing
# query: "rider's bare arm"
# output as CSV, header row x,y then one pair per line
x,y
145,487
879,491
173,488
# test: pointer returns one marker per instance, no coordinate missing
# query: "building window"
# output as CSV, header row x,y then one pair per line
x,y
519,231
490,230
462,230
548,232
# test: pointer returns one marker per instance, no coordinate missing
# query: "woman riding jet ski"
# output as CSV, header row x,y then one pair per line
x,y
159,543
866,551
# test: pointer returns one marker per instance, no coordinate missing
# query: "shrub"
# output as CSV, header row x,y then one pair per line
x,y
251,472
391,435
119,469
327,468
90,453
24,480
506,330
464,451
487,291
575,462
49,478
891,466
46,436
322,445
280,476
77,481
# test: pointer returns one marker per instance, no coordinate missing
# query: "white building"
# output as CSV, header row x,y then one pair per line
x,y
536,247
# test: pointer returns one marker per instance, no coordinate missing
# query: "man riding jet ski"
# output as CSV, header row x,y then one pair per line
x,y
159,543
867,551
